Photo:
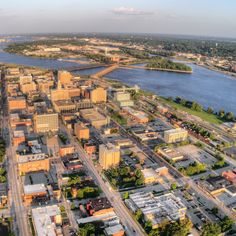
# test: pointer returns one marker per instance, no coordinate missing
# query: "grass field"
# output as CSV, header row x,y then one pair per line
x,y
211,118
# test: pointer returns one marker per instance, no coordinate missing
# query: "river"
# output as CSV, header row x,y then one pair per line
x,y
209,88
31,61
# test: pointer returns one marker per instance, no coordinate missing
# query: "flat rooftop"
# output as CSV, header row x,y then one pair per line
x,y
113,230
175,131
148,173
64,103
43,220
34,189
91,115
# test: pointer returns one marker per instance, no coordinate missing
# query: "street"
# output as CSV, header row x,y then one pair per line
x,y
18,210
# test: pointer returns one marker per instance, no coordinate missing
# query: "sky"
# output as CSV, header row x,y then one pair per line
x,y
184,17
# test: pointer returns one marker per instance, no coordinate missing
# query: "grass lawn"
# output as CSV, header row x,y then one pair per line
x,y
211,118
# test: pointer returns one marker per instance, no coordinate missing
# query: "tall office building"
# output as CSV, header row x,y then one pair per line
x,y
64,77
27,87
46,122
109,156
81,131
98,95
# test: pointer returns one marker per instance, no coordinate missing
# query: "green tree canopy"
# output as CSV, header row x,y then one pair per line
x,y
211,229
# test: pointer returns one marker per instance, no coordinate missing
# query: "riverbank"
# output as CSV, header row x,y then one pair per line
x,y
216,70
211,118
169,70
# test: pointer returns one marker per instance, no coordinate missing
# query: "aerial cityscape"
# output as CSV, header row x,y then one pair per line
x,y
118,118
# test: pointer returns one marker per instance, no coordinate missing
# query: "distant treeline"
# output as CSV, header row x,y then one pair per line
x,y
32,45
204,46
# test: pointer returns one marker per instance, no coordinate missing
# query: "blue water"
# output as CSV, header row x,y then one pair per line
x,y
30,61
207,87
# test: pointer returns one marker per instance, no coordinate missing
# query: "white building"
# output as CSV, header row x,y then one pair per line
x,y
46,219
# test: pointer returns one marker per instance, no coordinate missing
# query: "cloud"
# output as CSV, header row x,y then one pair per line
x,y
130,11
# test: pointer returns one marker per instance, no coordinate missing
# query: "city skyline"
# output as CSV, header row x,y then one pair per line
x,y
201,18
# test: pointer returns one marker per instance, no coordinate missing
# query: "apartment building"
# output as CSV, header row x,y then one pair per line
x,y
109,156
46,122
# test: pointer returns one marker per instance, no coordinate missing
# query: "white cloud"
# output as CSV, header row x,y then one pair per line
x,y
130,11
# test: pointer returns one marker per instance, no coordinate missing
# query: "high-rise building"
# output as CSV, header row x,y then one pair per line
x,y
44,86
98,95
27,87
46,122
64,77
81,131
59,94
109,156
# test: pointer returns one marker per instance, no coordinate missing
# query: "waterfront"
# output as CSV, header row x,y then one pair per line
x,y
210,88
31,61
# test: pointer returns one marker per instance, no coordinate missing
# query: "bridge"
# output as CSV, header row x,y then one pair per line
x,y
106,71
85,67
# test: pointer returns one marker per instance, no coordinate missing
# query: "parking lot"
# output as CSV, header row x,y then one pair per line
x,y
196,154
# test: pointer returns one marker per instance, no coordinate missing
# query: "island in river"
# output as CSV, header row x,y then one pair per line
x,y
163,64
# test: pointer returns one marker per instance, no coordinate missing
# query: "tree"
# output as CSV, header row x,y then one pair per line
x,y
113,182
62,208
178,228
215,210
183,102
80,193
114,172
195,106
229,116
210,110
124,171
226,224
211,229
139,182
221,113
148,226
173,186
126,195
138,173
2,171
139,215
74,180
154,232
72,207
3,179
218,165
87,230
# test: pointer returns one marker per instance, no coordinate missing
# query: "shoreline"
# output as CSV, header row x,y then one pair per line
x,y
170,70
145,68
217,70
